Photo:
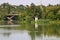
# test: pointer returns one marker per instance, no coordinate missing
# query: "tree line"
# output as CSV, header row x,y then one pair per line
x,y
29,12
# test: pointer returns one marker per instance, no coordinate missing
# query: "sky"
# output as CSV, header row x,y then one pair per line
x,y
28,2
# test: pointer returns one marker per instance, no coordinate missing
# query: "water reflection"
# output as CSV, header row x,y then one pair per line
x,y
15,35
28,32
48,32
46,37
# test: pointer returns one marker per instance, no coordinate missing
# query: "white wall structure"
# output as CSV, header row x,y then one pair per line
x,y
36,24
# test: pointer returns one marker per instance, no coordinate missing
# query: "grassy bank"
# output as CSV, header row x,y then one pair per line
x,y
48,21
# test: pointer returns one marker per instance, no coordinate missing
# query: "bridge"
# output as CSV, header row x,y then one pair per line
x,y
11,18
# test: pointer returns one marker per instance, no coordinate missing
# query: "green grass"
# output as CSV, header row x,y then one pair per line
x,y
47,22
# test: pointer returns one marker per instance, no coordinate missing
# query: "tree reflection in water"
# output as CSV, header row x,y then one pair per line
x,y
49,30
36,34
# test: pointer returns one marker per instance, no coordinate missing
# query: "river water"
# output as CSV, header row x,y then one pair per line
x,y
14,35
25,33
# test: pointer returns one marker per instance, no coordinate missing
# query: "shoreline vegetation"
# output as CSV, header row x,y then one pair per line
x,y
46,14
48,22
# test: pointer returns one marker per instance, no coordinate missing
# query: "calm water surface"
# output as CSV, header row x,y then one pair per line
x,y
14,35
49,32
27,33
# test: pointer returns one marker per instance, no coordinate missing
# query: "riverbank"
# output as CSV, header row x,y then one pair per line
x,y
40,22
48,22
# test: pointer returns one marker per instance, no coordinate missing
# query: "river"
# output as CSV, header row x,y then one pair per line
x,y
27,33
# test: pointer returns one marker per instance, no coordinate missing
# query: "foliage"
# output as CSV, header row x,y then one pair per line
x,y
27,13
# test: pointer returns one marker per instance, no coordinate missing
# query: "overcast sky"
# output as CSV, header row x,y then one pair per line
x,y
28,2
